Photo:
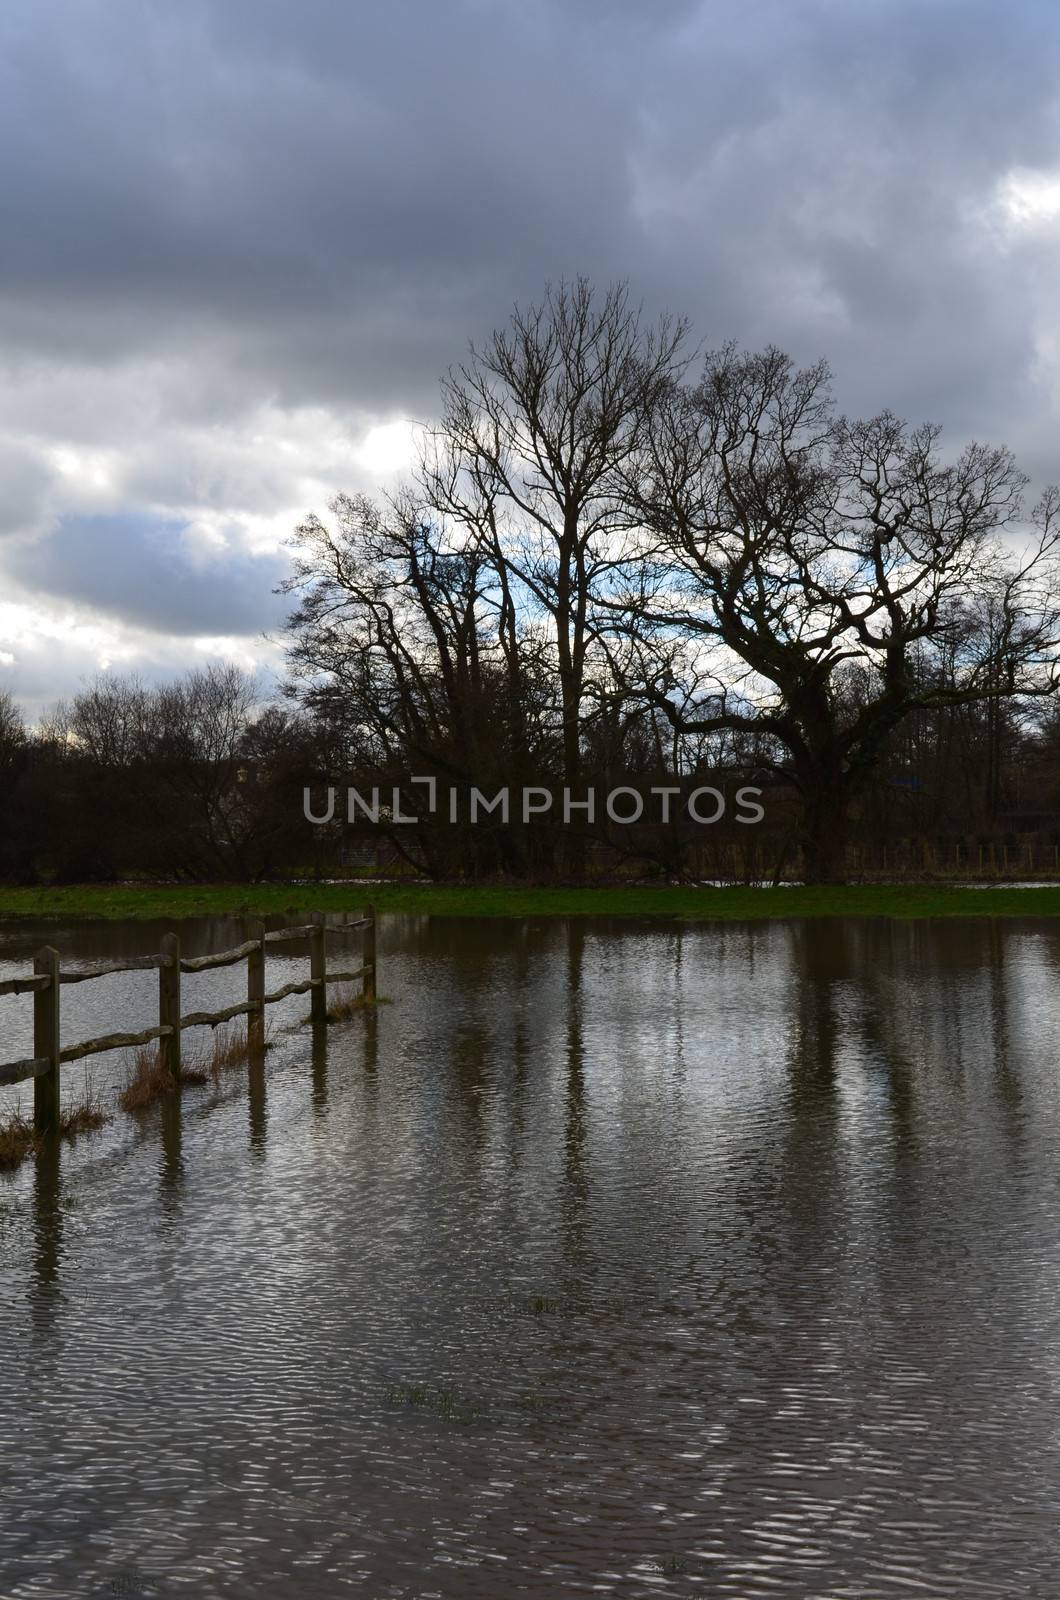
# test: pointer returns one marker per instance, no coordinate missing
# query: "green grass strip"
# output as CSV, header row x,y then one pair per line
x,y
735,904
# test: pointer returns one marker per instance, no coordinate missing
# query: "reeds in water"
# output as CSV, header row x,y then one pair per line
x,y
19,1138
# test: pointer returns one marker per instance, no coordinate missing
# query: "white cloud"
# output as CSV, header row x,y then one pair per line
x,y
388,449
1031,199
86,473
227,495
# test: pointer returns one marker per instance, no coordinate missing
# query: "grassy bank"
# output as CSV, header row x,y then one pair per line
x,y
727,904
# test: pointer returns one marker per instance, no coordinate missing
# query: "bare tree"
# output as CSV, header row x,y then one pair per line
x,y
195,749
405,637
537,428
14,753
108,720
12,732
792,544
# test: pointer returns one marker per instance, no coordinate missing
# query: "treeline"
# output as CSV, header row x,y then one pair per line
x,y
199,781
615,567
193,780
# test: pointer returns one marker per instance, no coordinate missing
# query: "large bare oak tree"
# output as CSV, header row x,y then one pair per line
x,y
794,554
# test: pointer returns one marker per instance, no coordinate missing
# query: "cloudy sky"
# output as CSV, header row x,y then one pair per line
x,y
242,239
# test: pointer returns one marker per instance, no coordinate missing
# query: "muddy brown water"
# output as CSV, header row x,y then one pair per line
x,y
611,1258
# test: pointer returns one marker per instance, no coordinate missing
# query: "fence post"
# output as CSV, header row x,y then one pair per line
x,y
318,995
46,1042
256,991
368,978
169,1007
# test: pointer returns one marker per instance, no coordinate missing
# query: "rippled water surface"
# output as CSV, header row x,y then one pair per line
x,y
610,1258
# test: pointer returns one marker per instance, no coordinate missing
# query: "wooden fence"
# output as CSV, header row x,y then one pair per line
x,y
47,980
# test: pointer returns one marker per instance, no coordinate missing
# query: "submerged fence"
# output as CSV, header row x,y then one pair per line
x,y
47,980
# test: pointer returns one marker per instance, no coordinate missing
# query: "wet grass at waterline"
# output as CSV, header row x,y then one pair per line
x,y
346,1001
230,1050
149,1080
736,903
19,1139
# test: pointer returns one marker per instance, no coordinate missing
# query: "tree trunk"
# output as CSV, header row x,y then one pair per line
x,y
825,823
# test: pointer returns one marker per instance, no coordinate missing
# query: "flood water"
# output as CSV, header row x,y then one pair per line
x,y
611,1258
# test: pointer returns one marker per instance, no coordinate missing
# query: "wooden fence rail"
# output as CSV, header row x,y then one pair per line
x,y
47,980
103,969
23,985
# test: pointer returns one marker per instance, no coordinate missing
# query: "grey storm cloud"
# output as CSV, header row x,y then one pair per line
x,y
219,204
340,195
140,569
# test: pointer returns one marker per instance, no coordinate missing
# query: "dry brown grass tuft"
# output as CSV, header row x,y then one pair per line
x,y
149,1081
83,1116
17,1141
344,1001
231,1049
